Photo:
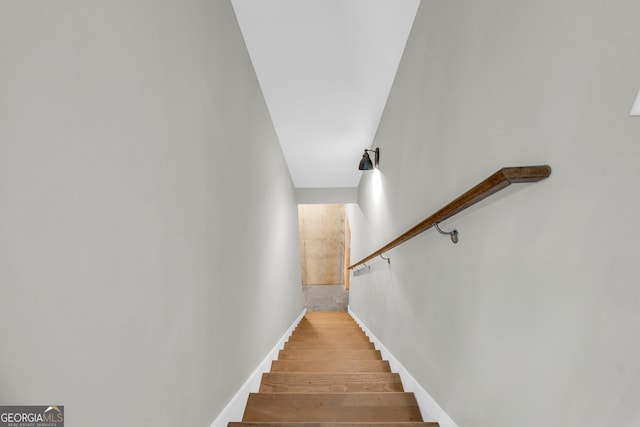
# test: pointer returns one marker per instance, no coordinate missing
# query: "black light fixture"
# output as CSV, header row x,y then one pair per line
x,y
366,164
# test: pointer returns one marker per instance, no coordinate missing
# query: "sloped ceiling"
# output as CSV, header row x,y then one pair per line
x,y
326,68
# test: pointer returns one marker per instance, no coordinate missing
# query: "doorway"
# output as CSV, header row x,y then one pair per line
x,y
324,255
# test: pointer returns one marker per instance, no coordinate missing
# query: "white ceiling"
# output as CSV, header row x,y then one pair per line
x,y
326,68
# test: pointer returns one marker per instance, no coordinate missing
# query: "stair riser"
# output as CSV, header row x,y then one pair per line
x,y
303,424
355,338
340,330
356,424
330,383
335,325
346,366
328,345
329,355
329,323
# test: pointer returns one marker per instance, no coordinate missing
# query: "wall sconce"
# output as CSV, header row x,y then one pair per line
x,y
635,110
453,234
365,162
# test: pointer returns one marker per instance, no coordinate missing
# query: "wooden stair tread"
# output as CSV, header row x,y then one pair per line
x,y
315,332
332,407
327,315
329,345
328,326
330,322
296,382
328,331
349,366
308,321
329,336
327,340
347,424
317,354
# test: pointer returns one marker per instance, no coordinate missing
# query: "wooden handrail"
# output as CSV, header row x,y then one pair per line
x,y
496,182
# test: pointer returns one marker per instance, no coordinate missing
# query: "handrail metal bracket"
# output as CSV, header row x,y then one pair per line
x,y
453,234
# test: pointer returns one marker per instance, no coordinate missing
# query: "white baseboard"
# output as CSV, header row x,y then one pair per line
x,y
429,408
235,408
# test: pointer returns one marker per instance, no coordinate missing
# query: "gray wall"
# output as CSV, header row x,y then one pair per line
x,y
148,226
534,317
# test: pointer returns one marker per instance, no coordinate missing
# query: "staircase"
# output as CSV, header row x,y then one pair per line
x,y
330,374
